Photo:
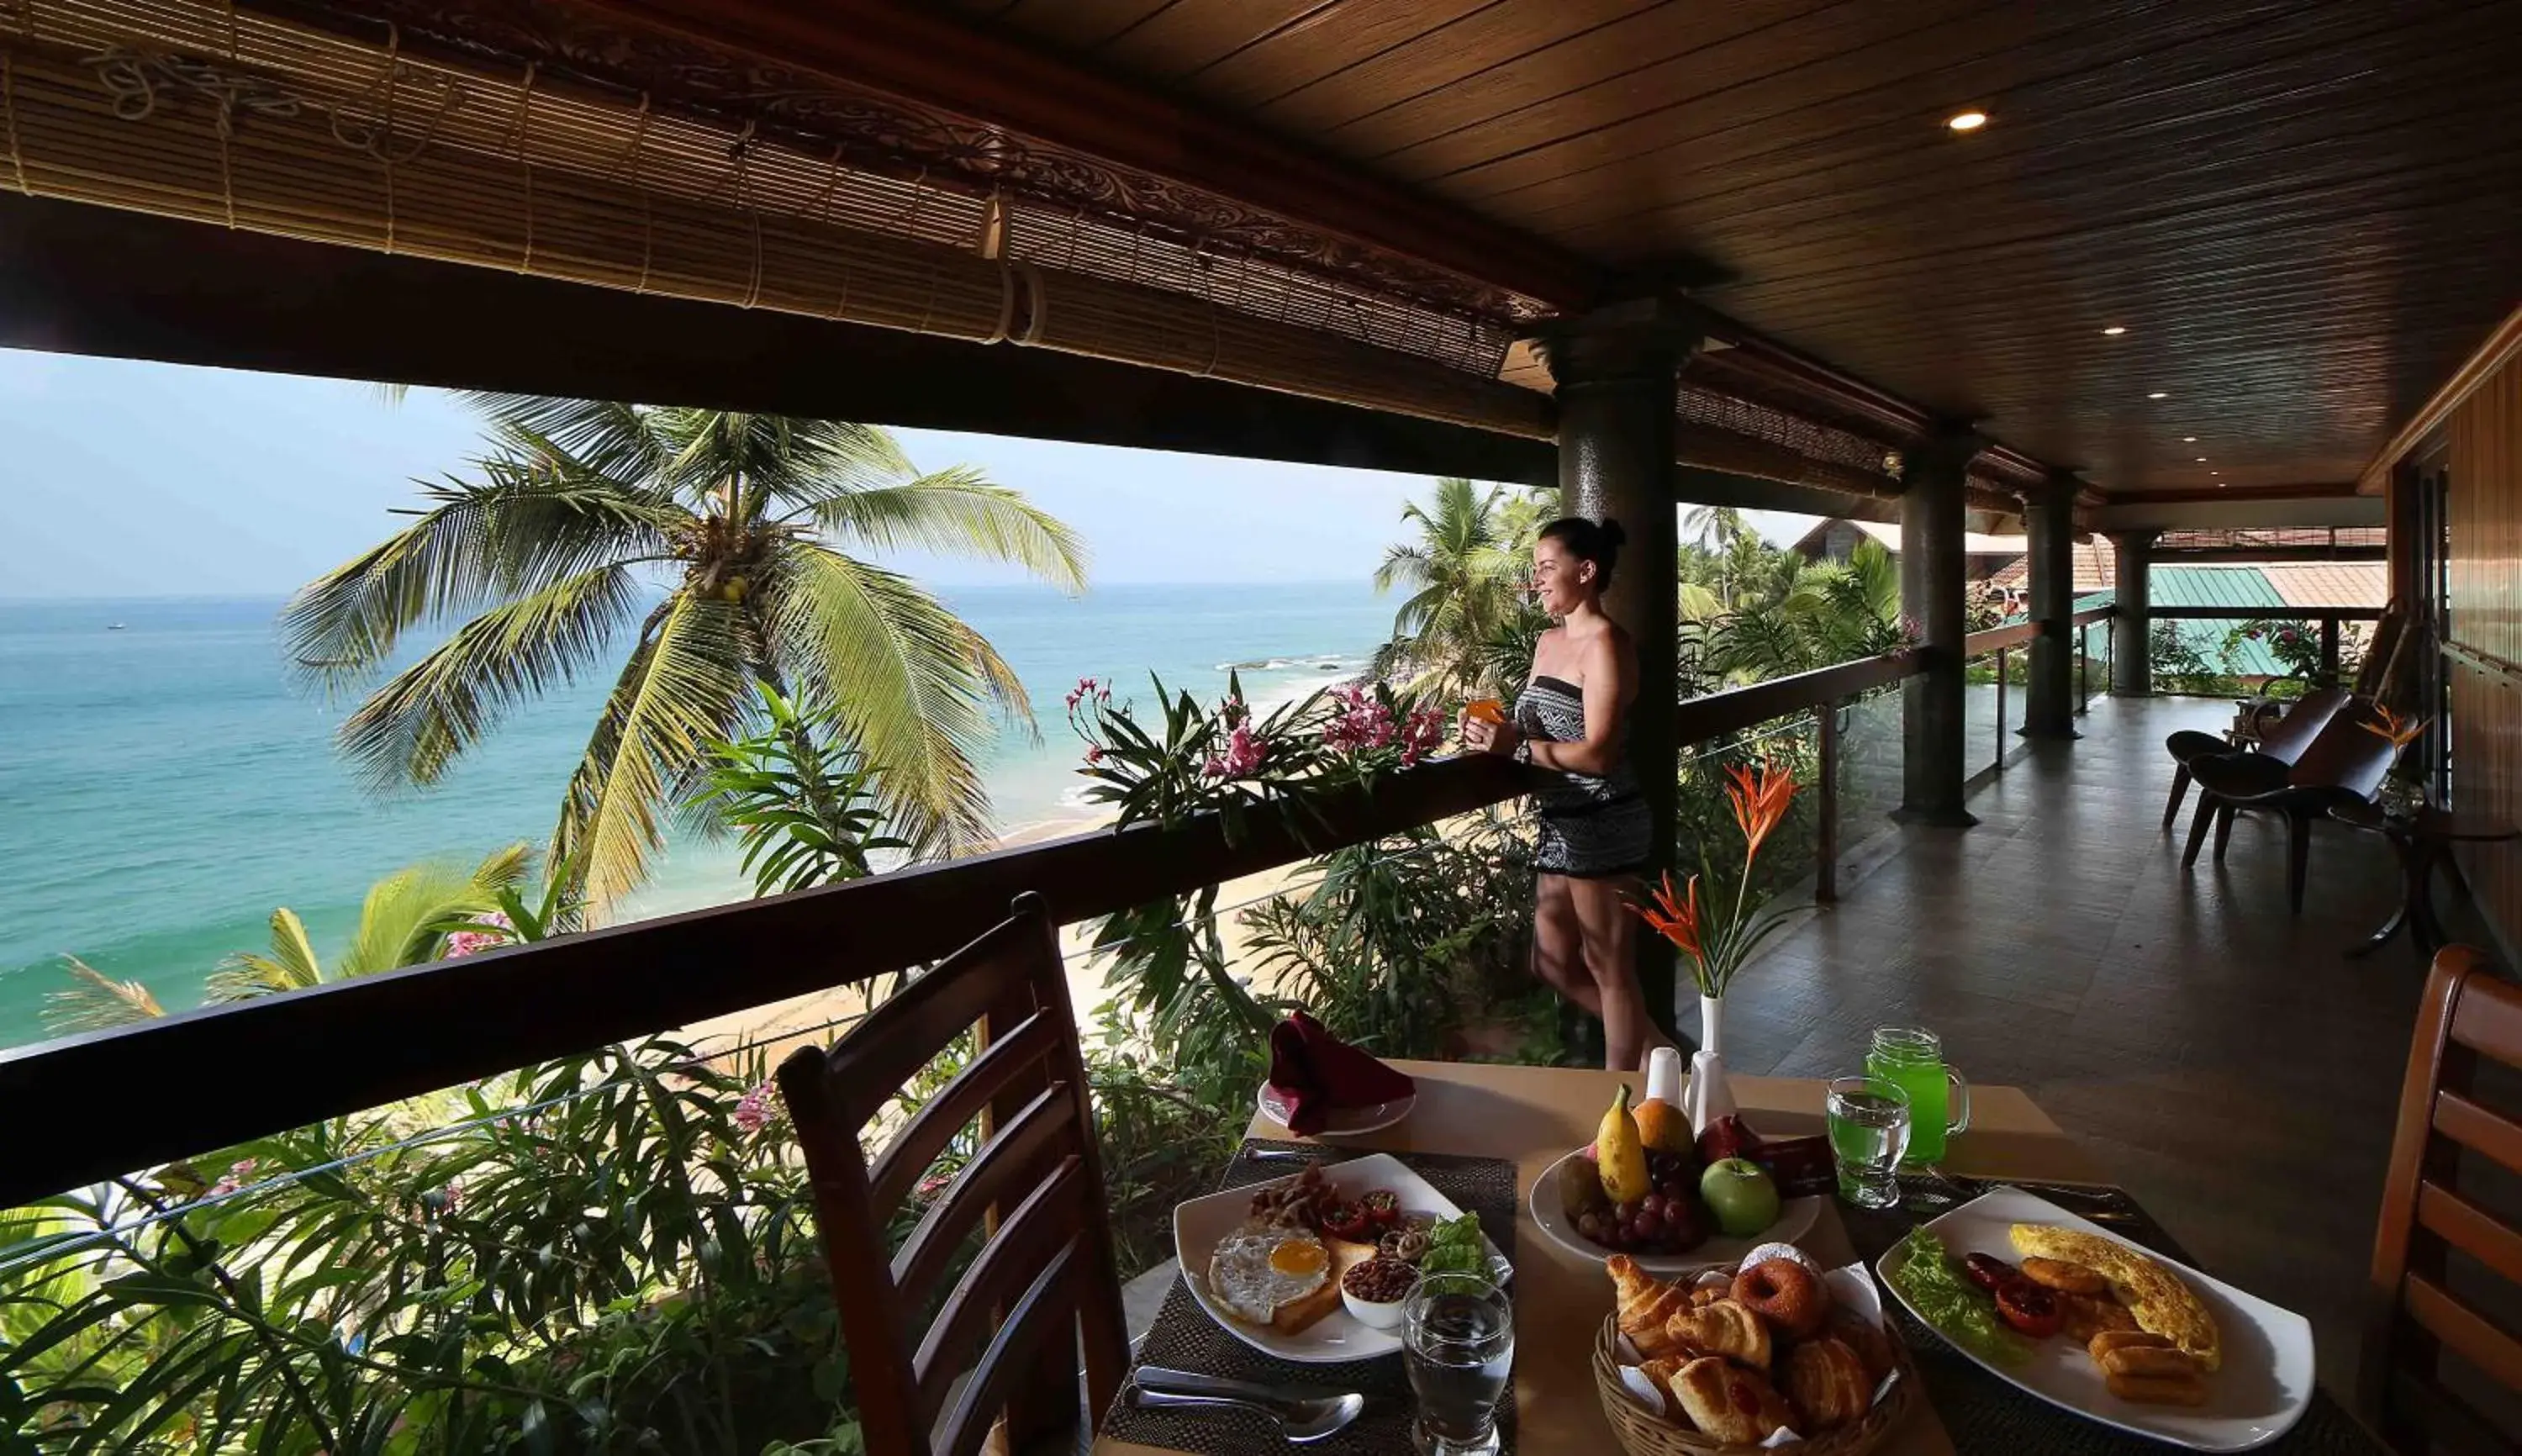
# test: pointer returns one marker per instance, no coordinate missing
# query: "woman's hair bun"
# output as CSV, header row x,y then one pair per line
x,y
1598,541
1613,535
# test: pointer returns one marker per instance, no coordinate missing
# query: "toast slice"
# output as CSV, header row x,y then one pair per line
x,y
1300,1315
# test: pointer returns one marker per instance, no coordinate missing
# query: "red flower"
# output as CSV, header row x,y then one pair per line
x,y
1760,801
1675,917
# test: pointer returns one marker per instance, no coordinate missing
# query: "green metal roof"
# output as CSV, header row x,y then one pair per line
x,y
2212,587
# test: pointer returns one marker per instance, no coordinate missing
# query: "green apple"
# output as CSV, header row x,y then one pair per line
x,y
1739,1195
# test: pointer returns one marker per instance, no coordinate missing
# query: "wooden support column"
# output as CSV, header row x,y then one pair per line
x,y
2049,517
2131,664
1617,376
1934,594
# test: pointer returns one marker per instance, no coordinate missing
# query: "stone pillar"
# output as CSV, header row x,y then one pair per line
x,y
2132,662
1617,372
2049,516
1935,596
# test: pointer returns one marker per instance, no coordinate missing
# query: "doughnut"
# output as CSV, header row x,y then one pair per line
x,y
1785,1293
1777,1251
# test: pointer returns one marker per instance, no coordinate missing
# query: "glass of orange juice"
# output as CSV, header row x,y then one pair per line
x,y
1484,710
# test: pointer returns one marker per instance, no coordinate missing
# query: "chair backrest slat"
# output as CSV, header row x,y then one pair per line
x,y
997,1174
1024,1241
2464,1225
899,1168
2474,1126
2417,1307
1034,1188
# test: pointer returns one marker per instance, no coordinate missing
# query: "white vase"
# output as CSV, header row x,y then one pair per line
x,y
1708,1097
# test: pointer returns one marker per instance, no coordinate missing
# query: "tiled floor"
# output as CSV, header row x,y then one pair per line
x,y
2218,1054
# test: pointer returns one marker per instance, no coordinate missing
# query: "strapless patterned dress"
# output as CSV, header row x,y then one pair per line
x,y
1594,827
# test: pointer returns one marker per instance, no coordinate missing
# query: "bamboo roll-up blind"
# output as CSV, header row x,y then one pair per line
x,y
177,109
1076,314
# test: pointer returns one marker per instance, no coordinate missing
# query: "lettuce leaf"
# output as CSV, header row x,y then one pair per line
x,y
1960,1310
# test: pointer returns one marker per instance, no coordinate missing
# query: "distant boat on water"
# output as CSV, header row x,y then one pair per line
x,y
115,627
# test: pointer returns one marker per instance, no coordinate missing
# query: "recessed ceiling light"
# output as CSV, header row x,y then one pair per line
x,y
1967,120
2158,394
2114,330
2202,459
2188,440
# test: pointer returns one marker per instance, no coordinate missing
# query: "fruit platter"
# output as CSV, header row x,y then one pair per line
x,y
1646,1188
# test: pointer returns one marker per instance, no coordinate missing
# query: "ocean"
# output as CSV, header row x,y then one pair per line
x,y
165,783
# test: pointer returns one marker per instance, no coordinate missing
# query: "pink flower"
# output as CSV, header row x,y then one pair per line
x,y
753,1110
496,931
1094,753
1424,735
240,1173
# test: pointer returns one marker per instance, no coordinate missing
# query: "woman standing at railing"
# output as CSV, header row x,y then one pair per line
x,y
1594,831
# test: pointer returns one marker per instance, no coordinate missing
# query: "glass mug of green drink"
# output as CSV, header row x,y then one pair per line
x,y
1912,1059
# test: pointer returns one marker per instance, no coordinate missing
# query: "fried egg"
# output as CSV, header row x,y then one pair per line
x,y
1256,1270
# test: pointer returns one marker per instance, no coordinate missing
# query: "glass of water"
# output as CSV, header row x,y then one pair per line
x,y
1457,1338
1869,1131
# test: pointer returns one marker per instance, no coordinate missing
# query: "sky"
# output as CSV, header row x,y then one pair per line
x,y
132,478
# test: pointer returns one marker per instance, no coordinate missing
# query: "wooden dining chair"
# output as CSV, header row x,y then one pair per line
x,y
1042,1288
2470,1018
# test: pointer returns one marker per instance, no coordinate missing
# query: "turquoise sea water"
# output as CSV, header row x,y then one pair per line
x,y
164,786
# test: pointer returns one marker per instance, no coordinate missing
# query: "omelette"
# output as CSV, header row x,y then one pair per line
x,y
2161,1303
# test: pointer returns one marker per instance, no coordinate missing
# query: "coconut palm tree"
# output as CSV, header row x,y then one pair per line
x,y
1466,576
407,920
553,549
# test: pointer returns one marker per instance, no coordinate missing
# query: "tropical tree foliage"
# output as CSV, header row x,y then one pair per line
x,y
1466,572
552,548
800,798
1792,616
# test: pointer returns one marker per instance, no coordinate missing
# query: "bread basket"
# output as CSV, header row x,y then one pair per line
x,y
1642,1433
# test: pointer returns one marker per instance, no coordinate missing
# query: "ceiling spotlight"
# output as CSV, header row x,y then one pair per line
x,y
2202,459
2188,440
2158,394
1967,120
2114,330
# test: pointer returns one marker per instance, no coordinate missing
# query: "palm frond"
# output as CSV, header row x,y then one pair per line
x,y
292,966
685,688
905,671
783,461
430,712
403,921
615,441
957,512
96,1001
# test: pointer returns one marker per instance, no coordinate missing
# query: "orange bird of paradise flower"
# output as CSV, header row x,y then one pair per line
x,y
2402,732
1759,799
1674,917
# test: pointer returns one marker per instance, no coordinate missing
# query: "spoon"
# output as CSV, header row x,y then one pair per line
x,y
1299,1421
1301,1418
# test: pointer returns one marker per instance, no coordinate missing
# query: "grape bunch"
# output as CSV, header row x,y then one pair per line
x,y
1670,1219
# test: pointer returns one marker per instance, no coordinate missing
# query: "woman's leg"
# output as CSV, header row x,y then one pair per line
x,y
1559,945
1609,934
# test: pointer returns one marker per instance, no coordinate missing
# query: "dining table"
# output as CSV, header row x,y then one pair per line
x,y
1531,1117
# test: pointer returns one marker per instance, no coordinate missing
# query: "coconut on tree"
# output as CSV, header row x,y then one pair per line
x,y
553,548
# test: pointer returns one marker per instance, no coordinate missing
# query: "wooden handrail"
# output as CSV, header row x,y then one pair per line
x,y
2090,615
1996,637
218,1076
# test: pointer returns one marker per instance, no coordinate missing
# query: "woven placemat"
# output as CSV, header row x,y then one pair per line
x,y
1985,1414
1184,1338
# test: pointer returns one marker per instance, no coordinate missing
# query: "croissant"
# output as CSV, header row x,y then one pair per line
x,y
1660,1372
1722,1327
1733,1406
1647,1305
1826,1381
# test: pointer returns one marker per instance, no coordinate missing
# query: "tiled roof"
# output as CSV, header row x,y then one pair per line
x,y
2095,562
2330,584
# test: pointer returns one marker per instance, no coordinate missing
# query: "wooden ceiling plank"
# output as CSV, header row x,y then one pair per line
x,y
1439,59
1836,53
1585,59
1339,34
1188,36
2120,110
1079,25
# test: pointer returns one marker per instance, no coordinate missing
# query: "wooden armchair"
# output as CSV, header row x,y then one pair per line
x,y
2284,742
1042,1288
2344,759
2469,1017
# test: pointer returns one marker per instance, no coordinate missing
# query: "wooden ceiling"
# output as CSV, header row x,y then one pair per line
x,y
2303,212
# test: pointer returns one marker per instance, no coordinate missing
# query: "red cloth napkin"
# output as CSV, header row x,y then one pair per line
x,y
1317,1072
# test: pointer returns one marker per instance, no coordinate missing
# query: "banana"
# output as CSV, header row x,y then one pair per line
x,y
1620,1155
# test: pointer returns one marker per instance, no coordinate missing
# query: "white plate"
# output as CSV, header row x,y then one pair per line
x,y
1344,1121
1200,1223
1795,1217
2261,1388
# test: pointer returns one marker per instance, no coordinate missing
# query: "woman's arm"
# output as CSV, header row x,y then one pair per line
x,y
1611,679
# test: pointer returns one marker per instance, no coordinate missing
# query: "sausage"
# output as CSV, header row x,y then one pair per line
x,y
2140,1359
2119,1340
